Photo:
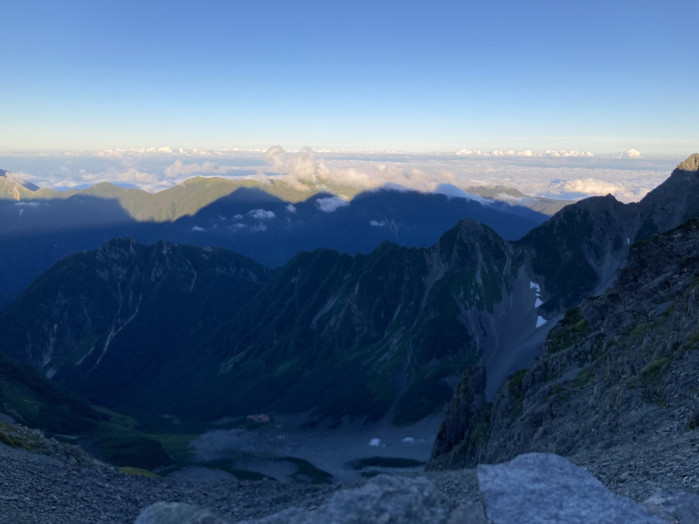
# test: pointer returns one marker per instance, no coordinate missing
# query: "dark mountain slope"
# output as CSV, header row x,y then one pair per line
x,y
103,321
142,328
269,230
33,400
578,251
672,202
622,367
350,335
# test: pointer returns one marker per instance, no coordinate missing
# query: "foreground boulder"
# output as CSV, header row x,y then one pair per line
x,y
177,513
546,488
382,499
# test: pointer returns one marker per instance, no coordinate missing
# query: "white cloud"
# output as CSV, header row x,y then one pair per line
x,y
261,214
585,187
376,223
198,228
179,168
302,171
524,153
291,209
331,204
557,174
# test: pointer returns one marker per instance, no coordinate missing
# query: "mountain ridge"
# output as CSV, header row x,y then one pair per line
x,y
36,233
620,367
385,332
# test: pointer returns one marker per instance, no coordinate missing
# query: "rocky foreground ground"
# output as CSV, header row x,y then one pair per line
x,y
56,483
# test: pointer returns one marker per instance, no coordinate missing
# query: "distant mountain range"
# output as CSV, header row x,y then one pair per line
x,y
39,227
205,333
189,197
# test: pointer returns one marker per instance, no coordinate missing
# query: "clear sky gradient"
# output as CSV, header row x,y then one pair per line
x,y
414,76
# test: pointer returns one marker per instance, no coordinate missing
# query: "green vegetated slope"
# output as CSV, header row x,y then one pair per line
x,y
167,205
33,400
617,369
29,397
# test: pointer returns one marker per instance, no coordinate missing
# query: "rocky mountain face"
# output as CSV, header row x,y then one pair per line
x,y
350,335
389,332
578,251
621,367
87,320
140,327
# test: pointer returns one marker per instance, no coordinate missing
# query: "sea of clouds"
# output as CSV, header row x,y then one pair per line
x,y
555,174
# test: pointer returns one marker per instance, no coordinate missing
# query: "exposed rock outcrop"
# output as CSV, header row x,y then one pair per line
x,y
541,488
620,368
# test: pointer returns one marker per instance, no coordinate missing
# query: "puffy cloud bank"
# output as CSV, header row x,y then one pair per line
x,y
557,174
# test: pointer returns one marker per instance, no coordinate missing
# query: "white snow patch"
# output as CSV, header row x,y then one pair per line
x,y
537,290
540,321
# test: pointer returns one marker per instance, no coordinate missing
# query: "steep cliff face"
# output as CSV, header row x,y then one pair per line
x,y
578,251
672,202
620,367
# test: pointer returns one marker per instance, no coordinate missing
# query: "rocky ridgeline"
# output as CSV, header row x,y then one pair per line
x,y
620,368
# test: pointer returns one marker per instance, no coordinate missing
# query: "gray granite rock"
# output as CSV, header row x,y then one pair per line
x,y
384,499
177,513
546,488
674,506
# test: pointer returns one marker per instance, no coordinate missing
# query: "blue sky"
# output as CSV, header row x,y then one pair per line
x,y
412,76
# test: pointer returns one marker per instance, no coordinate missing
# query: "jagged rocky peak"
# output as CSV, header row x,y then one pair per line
x,y
691,163
463,243
619,368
